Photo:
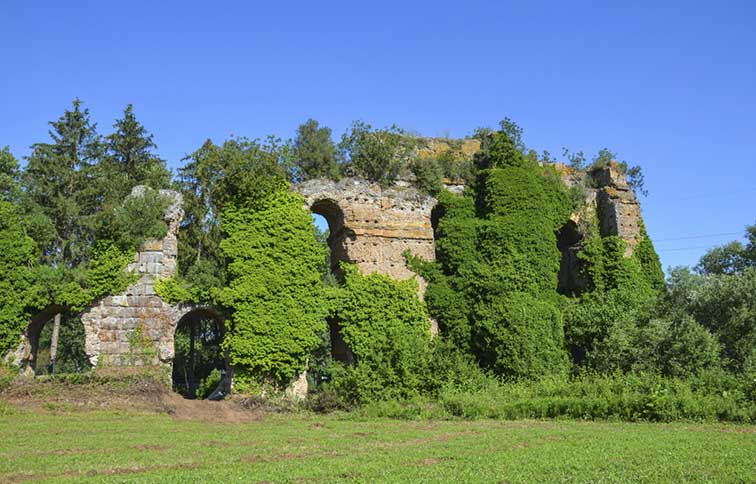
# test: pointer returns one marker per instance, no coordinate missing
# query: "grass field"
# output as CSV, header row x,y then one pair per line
x,y
64,446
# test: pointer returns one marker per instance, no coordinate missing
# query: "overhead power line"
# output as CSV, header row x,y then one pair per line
x,y
684,248
704,236
703,195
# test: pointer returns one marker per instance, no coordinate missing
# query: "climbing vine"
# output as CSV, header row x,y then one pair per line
x,y
274,289
19,288
493,289
386,327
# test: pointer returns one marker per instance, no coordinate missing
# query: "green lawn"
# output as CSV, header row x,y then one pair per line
x,y
154,448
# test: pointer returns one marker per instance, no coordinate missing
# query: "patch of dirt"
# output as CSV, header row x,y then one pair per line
x,y
132,393
35,477
256,459
739,430
430,461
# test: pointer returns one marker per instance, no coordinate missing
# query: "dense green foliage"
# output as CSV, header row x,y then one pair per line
x,y
314,152
620,342
386,328
213,177
493,289
274,287
71,202
378,155
18,285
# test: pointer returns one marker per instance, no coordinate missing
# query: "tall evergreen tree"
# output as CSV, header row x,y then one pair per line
x,y
9,176
130,159
59,178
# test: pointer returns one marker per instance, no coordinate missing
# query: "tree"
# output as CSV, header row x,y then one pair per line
x,y
130,160
731,258
377,155
59,178
10,186
214,176
314,152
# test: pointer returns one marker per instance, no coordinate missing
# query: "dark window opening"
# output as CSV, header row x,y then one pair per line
x,y
200,366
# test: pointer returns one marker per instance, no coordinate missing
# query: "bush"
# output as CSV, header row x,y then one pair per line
x,y
387,329
274,289
710,396
521,337
209,384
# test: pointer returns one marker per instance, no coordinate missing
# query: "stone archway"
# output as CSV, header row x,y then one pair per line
x,y
338,235
197,354
25,356
373,226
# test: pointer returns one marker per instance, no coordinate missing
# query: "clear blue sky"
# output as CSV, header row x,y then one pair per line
x,y
671,87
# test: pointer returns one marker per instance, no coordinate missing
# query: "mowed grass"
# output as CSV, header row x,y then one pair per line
x,y
155,448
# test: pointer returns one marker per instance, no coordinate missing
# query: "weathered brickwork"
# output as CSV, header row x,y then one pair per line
x,y
137,327
373,226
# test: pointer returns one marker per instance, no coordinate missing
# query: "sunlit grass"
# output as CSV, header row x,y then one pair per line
x,y
126,447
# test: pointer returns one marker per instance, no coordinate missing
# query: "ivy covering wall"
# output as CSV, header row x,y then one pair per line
x,y
274,289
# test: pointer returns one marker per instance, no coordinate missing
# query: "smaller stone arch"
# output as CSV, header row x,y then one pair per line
x,y
25,356
339,235
205,328
376,225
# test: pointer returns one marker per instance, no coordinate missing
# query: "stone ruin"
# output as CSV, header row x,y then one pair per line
x,y
369,225
373,226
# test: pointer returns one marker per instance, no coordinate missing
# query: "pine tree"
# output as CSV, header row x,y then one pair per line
x,y
60,178
130,159
9,176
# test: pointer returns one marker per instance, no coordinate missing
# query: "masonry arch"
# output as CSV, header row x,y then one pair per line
x,y
570,242
201,368
337,232
45,349
334,348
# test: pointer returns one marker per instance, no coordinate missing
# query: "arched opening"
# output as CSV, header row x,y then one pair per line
x,y
55,343
435,217
570,242
339,350
201,368
329,223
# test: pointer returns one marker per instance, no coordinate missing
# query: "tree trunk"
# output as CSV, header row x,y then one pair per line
x,y
192,359
54,343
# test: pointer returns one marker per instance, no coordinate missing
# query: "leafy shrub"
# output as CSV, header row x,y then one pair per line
x,y
387,329
18,285
209,384
378,155
492,289
520,337
629,397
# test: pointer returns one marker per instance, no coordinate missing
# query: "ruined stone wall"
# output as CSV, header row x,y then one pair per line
x,y
618,207
373,226
609,200
137,327
370,226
